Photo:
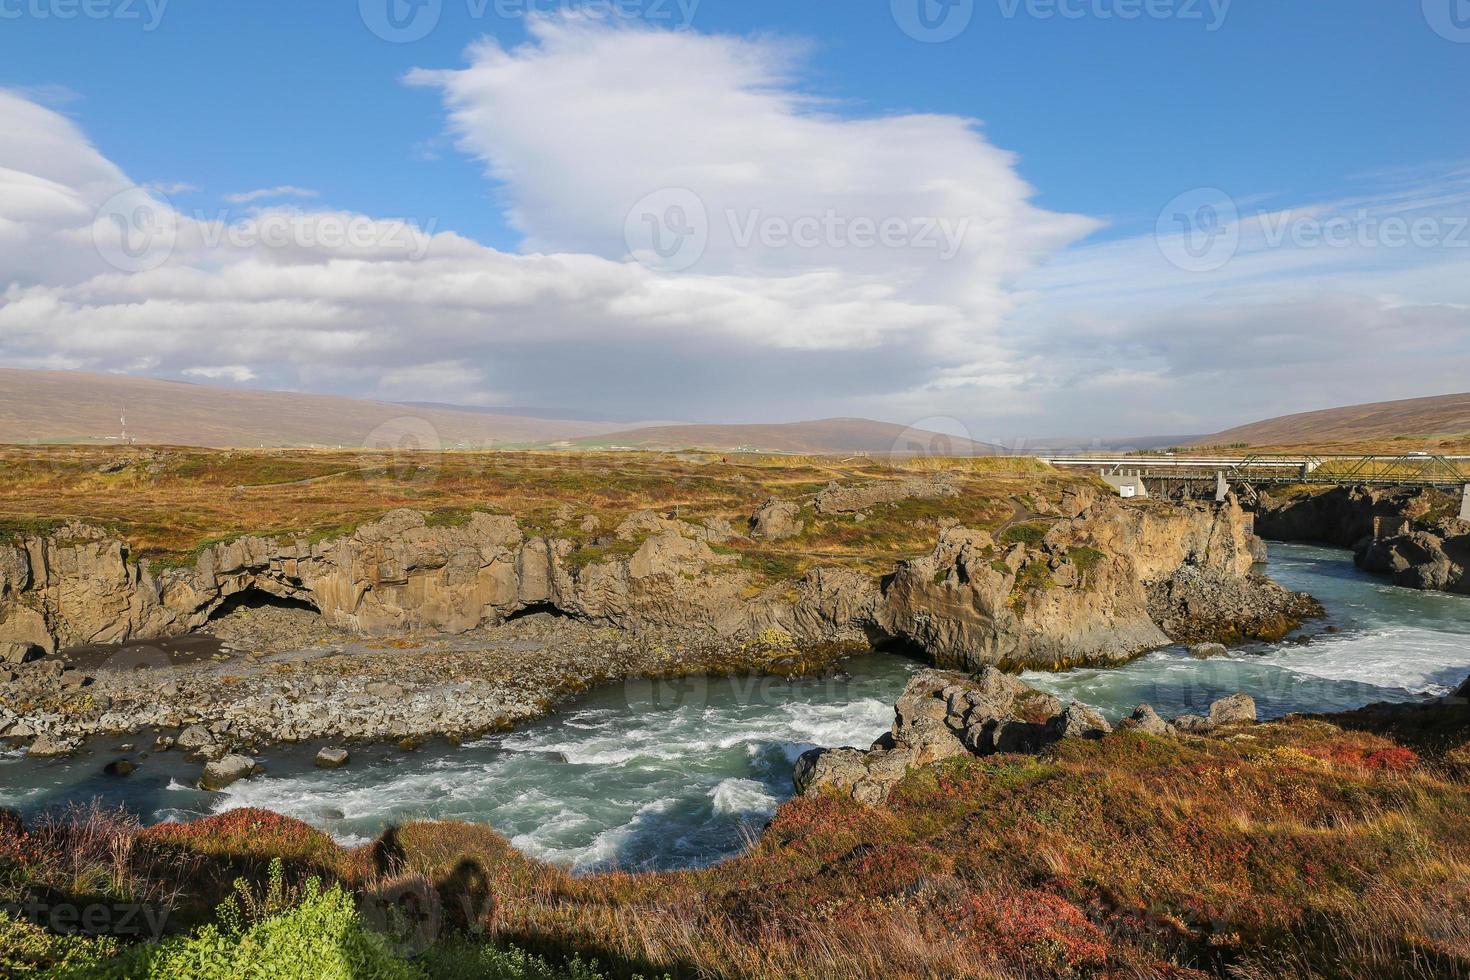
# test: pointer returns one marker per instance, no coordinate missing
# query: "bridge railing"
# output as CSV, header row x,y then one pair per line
x,y
1401,469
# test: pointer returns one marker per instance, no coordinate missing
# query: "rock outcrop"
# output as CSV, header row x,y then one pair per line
x,y
840,499
1079,589
776,520
1077,585
395,575
1196,607
943,714
1434,556
1341,516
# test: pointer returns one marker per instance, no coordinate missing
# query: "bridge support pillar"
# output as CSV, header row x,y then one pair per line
x,y
1222,488
1127,484
1465,504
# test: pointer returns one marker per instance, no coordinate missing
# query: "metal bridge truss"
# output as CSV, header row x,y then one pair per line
x,y
1265,469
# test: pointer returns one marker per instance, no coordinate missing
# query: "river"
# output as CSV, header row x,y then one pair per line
x,y
680,773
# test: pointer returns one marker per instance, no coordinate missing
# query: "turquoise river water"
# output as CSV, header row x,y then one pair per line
x,y
681,773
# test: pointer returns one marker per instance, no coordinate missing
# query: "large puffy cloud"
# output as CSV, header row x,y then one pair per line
x,y
575,130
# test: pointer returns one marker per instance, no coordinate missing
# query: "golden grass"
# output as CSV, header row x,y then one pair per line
x,y
168,502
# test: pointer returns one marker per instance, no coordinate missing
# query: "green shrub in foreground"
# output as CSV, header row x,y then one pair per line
x,y
320,938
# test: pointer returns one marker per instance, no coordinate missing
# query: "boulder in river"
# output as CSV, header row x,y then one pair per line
x,y
120,767
46,746
1204,651
225,771
331,757
942,714
212,752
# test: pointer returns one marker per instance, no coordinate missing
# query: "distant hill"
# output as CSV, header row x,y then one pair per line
x,y
1439,419
74,406
822,436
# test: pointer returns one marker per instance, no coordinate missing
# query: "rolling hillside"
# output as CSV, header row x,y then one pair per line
x,y
822,436
79,407
1440,421
73,406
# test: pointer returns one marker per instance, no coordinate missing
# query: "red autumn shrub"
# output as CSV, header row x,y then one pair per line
x,y
248,833
1039,929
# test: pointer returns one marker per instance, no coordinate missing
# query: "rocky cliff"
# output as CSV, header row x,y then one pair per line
x,y
394,575
1070,584
1432,556
1078,586
1341,516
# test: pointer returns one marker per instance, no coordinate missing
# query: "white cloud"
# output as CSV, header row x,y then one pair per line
x,y
237,373
267,193
571,319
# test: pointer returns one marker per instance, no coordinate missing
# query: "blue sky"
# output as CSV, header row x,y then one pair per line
x,y
1312,105
1282,98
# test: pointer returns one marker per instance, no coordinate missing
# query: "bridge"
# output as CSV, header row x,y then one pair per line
x,y
1246,474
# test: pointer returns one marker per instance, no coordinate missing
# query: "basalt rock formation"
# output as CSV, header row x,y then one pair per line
x,y
395,575
1341,516
1099,583
1411,535
1074,586
1427,556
